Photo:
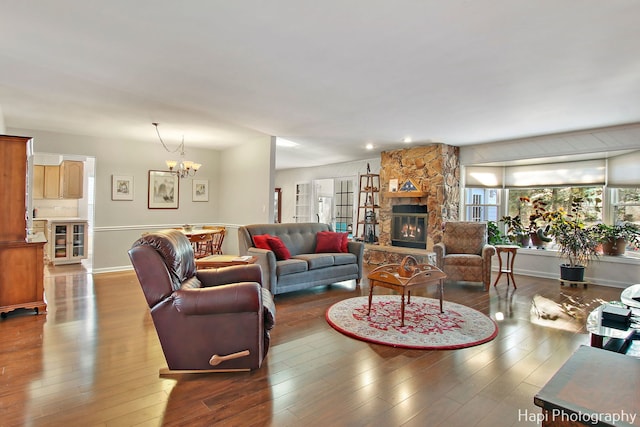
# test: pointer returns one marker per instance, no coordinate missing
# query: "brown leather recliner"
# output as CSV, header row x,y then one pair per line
x,y
201,313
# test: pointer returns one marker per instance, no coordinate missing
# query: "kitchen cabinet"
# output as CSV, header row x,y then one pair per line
x,y
68,242
64,181
38,181
51,182
71,179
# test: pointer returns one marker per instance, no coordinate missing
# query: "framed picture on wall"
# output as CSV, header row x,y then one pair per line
x,y
121,187
200,190
164,190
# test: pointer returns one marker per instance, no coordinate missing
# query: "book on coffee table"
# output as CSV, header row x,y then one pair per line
x,y
217,261
616,313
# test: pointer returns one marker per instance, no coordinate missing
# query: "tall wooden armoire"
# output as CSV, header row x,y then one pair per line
x,y
21,261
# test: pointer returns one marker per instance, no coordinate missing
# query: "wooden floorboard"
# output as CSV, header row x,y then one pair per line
x,y
93,360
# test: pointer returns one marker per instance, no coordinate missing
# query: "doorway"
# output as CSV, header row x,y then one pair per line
x,y
61,210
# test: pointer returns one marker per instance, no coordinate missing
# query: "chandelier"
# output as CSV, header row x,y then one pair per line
x,y
186,167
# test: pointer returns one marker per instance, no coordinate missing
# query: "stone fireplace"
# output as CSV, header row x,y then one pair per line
x,y
435,171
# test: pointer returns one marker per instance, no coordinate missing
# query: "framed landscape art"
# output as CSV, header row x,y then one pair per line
x,y
164,190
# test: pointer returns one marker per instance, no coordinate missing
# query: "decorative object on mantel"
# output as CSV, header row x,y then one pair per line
x,y
186,167
425,327
393,185
164,190
407,189
409,185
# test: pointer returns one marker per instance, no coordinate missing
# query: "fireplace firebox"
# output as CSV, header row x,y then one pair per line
x,y
409,226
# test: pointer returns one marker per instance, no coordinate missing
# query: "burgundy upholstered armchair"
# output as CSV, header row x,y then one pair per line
x,y
207,320
464,254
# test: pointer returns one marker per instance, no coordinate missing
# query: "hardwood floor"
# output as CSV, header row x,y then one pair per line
x,y
93,360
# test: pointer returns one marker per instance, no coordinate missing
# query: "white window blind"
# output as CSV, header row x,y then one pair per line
x,y
484,176
587,172
624,170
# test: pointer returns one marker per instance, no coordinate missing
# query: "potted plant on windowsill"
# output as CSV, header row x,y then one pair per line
x,y
495,235
516,231
538,233
577,243
615,238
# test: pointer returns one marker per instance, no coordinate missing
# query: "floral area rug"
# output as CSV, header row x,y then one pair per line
x,y
424,326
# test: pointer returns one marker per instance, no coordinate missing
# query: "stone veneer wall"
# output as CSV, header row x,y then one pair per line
x,y
435,169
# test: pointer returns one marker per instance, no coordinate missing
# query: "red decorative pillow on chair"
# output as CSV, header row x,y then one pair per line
x,y
329,241
278,247
261,242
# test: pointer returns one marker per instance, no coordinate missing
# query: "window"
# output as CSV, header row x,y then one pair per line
x,y
520,201
556,183
482,204
344,205
626,205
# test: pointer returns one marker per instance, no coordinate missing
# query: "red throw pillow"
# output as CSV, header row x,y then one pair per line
x,y
260,241
345,242
329,241
278,248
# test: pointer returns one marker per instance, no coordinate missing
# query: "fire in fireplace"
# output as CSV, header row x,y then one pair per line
x,y
409,226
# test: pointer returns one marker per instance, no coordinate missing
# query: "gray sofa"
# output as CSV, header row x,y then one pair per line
x,y
305,268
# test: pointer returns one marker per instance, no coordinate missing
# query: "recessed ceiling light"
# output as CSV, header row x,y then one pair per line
x,y
281,142
407,139
369,146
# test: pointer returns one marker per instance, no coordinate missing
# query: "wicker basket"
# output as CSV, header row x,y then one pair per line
x,y
408,267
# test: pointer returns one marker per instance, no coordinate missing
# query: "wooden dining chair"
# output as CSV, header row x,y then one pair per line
x,y
216,241
202,244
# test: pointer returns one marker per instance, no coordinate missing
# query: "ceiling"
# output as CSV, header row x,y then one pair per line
x,y
330,75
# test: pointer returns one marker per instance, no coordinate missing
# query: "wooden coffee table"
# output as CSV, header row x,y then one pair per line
x,y
218,261
387,276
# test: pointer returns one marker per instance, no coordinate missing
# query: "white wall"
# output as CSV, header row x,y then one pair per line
x,y
117,224
618,272
246,179
3,129
288,178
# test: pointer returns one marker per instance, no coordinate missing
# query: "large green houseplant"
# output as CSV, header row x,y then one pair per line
x,y
577,243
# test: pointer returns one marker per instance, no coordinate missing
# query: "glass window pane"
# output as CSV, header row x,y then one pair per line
x,y
626,207
522,202
482,204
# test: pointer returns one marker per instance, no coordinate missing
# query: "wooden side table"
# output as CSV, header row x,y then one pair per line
x,y
507,267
